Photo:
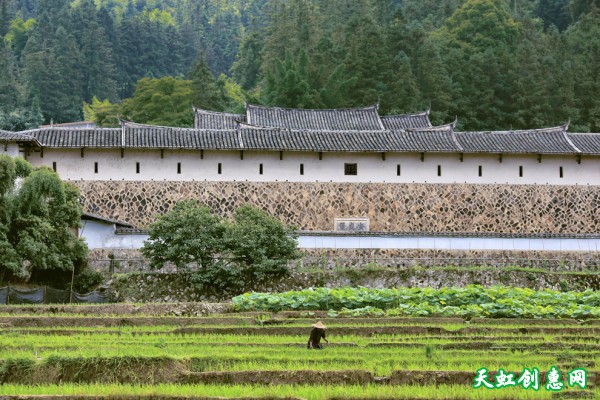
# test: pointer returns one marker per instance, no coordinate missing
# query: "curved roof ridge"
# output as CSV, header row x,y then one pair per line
x,y
365,108
568,139
553,129
415,114
204,111
449,126
246,125
132,124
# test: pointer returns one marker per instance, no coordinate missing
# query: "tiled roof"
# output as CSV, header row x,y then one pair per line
x,y
179,138
353,141
216,120
587,143
7,136
419,120
352,119
78,138
536,141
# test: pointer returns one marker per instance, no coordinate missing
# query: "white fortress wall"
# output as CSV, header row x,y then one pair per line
x,y
371,167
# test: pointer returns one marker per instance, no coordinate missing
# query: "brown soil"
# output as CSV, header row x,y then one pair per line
x,y
41,322
126,370
308,377
149,309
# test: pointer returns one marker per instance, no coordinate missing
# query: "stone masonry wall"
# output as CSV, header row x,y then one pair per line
x,y
391,207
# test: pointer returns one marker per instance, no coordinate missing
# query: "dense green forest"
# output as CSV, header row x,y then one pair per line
x,y
496,64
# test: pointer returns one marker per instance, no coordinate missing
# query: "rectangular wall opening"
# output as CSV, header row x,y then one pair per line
x,y
137,167
54,166
301,169
560,172
219,169
260,169
480,170
350,169
179,168
398,170
95,167
439,170
520,171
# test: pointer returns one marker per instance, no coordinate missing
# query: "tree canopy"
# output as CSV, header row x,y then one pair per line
x,y
496,64
38,215
251,249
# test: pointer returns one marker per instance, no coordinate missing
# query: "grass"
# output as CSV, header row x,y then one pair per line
x,y
212,346
316,392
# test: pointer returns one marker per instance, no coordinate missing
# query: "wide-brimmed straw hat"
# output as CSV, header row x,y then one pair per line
x,y
319,325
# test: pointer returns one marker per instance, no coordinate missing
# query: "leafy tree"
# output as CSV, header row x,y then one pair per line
x,y
103,113
187,234
260,245
165,101
36,224
250,250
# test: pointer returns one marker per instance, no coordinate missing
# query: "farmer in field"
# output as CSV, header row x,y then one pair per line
x,y
318,333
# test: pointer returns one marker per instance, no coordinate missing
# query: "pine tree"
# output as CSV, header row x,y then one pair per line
x,y
207,94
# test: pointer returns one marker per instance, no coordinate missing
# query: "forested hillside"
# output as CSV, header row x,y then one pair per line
x,y
496,64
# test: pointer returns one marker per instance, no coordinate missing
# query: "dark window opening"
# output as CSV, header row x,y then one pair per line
x,y
398,170
520,171
560,171
137,167
301,169
219,169
54,165
439,170
179,168
95,167
350,169
480,170
260,169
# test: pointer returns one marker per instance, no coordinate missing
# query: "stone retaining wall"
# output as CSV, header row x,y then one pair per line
x,y
128,261
390,207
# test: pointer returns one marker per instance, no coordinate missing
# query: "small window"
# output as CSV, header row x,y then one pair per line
x,y
560,171
439,170
95,167
219,169
520,171
350,169
260,169
179,168
301,169
480,170
137,167
54,165
398,170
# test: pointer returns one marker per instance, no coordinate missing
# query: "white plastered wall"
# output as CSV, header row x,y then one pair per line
x,y
10,149
371,167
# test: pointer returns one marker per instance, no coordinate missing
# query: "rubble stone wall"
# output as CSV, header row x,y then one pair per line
x,y
390,207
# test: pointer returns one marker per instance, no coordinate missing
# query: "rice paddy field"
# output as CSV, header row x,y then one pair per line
x,y
165,351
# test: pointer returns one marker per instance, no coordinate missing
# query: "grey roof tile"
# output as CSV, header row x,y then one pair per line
x,y
352,119
418,120
205,119
534,141
77,138
587,143
7,136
